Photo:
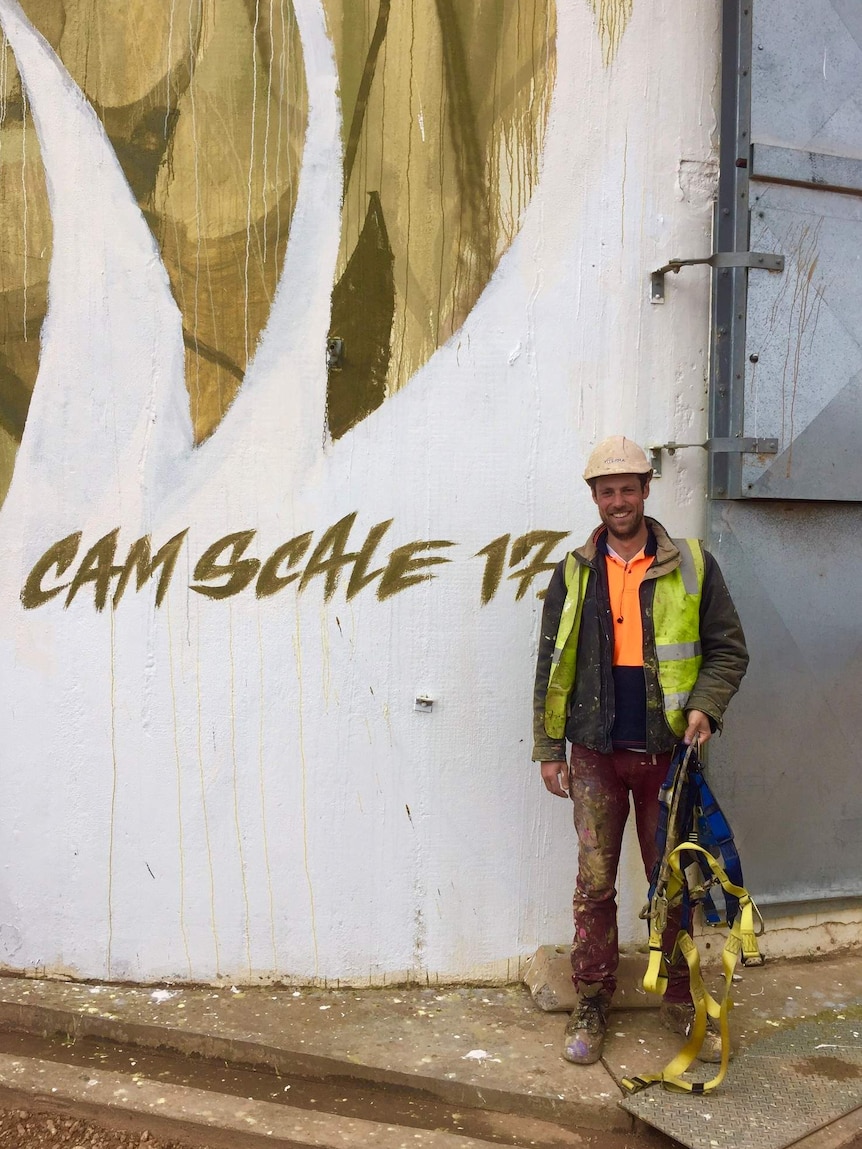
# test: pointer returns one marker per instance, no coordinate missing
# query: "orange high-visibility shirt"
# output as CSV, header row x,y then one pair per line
x,y
624,580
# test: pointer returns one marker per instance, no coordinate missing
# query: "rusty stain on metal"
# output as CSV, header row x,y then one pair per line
x,y
802,324
835,1068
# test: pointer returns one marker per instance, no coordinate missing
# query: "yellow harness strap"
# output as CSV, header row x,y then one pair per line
x,y
742,939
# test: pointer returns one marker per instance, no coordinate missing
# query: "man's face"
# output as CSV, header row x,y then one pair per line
x,y
620,499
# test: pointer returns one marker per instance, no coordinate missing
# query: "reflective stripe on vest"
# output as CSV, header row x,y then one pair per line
x,y
676,628
562,676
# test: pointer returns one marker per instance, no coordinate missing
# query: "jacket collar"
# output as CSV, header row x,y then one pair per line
x,y
601,540
667,555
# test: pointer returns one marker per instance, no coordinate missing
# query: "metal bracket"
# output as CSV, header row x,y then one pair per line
x,y
334,353
768,261
738,446
742,446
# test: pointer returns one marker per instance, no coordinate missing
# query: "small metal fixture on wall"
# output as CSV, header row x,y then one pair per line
x,y
740,446
334,353
768,261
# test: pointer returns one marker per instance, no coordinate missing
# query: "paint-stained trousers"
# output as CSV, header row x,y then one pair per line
x,y
599,785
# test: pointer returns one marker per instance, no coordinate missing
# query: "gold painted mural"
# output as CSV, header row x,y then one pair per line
x,y
205,106
444,109
444,112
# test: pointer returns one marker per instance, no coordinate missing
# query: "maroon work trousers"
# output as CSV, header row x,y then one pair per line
x,y
600,785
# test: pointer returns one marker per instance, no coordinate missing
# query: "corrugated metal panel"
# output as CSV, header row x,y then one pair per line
x,y
803,345
803,371
786,767
787,364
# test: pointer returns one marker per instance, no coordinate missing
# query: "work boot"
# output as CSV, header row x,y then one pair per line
x,y
586,1029
678,1017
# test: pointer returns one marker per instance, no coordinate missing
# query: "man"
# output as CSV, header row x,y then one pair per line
x,y
640,647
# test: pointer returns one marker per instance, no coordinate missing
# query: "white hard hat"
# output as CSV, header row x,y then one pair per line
x,y
617,456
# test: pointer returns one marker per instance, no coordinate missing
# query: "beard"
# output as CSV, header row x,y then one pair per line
x,y
626,528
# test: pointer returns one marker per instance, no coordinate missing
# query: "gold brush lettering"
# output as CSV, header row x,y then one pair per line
x,y
398,576
495,559
544,542
332,544
60,555
143,566
358,577
270,581
97,567
224,569
240,571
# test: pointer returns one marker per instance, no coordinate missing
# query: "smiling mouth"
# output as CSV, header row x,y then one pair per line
x,y
621,519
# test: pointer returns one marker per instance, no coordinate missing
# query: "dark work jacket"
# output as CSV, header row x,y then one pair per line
x,y
591,705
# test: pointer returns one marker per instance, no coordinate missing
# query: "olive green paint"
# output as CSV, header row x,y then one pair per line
x,y
363,306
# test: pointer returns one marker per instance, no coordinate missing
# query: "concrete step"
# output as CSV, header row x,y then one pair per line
x,y
129,1086
488,1049
133,1102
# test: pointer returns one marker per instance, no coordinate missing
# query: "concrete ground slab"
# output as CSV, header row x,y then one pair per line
x,y
489,1048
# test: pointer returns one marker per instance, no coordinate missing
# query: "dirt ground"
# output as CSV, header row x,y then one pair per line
x,y
34,1129
28,1129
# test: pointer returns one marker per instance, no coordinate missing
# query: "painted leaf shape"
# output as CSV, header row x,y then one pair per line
x,y
205,106
444,113
25,246
363,306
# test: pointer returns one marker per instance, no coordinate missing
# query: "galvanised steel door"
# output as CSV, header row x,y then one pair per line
x,y
786,525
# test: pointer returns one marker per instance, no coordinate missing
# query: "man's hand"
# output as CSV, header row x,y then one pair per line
x,y
555,775
698,728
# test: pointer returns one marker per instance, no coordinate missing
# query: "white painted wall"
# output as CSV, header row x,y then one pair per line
x,y
221,788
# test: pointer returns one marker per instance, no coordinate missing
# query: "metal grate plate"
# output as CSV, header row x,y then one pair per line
x,y
776,1091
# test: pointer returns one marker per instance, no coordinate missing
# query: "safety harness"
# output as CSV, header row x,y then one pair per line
x,y
693,830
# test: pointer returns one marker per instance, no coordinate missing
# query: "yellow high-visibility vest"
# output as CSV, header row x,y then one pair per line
x,y
676,626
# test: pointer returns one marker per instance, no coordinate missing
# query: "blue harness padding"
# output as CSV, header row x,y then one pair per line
x,y
698,819
716,835
692,828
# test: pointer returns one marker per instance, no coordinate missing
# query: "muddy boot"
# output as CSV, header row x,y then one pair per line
x,y
678,1017
585,1032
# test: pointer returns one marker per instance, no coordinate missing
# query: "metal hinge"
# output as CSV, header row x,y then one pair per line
x,y
738,446
767,261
